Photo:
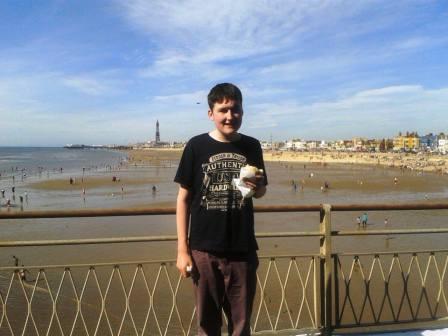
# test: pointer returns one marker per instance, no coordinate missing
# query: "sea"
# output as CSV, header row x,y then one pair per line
x,y
14,161
22,167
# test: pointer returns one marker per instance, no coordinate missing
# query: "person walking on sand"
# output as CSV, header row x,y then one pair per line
x,y
220,251
358,221
364,219
22,274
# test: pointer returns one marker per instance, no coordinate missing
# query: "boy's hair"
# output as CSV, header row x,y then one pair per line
x,y
224,91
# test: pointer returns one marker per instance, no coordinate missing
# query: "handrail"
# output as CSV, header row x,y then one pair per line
x,y
388,232
139,239
170,238
261,209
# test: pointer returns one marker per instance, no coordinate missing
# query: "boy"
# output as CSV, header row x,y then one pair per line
x,y
220,248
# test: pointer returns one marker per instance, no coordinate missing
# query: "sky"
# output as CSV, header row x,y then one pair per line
x,y
103,72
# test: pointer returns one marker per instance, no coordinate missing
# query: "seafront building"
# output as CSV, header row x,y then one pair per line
x,y
408,142
429,142
443,146
411,141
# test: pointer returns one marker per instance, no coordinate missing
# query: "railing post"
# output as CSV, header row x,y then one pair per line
x,y
325,269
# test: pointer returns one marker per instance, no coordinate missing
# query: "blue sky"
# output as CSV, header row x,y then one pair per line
x,y
102,72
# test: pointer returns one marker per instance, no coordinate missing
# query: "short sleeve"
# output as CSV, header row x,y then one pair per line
x,y
185,172
260,161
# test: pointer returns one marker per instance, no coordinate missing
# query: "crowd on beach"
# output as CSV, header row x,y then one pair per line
x,y
420,161
16,182
13,181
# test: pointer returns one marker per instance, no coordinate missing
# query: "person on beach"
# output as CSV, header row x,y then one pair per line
x,y
16,261
220,252
358,221
22,274
364,219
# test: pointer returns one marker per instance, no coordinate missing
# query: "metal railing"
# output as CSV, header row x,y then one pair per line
x,y
322,291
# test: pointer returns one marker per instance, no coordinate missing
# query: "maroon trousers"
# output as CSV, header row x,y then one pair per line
x,y
224,282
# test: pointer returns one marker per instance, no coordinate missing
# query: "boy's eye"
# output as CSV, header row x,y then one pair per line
x,y
234,111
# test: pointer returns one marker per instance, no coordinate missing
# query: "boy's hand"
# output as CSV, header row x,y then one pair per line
x,y
255,182
184,264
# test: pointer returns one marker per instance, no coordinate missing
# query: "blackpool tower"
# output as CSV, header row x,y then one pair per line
x,y
157,132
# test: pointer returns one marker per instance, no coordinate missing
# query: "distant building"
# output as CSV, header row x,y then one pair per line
x,y
295,144
342,145
359,144
323,144
157,132
265,145
157,143
443,146
428,142
373,145
408,142
311,145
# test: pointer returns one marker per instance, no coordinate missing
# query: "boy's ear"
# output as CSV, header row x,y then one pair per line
x,y
210,114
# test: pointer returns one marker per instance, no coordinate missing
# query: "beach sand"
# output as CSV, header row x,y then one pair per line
x,y
154,155
421,162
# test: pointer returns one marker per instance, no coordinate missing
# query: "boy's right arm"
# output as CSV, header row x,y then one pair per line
x,y
182,223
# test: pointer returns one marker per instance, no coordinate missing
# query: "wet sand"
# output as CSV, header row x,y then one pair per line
x,y
94,182
348,183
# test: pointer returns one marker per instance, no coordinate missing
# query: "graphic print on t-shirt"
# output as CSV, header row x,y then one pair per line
x,y
218,191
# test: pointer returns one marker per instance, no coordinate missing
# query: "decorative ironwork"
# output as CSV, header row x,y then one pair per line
x,y
323,292
417,296
142,299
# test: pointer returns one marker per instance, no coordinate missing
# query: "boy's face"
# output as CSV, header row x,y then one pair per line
x,y
227,116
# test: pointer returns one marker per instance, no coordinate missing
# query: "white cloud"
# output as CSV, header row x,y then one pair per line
x,y
184,98
375,113
199,32
100,83
90,86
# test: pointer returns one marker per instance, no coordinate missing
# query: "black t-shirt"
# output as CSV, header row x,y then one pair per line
x,y
221,220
